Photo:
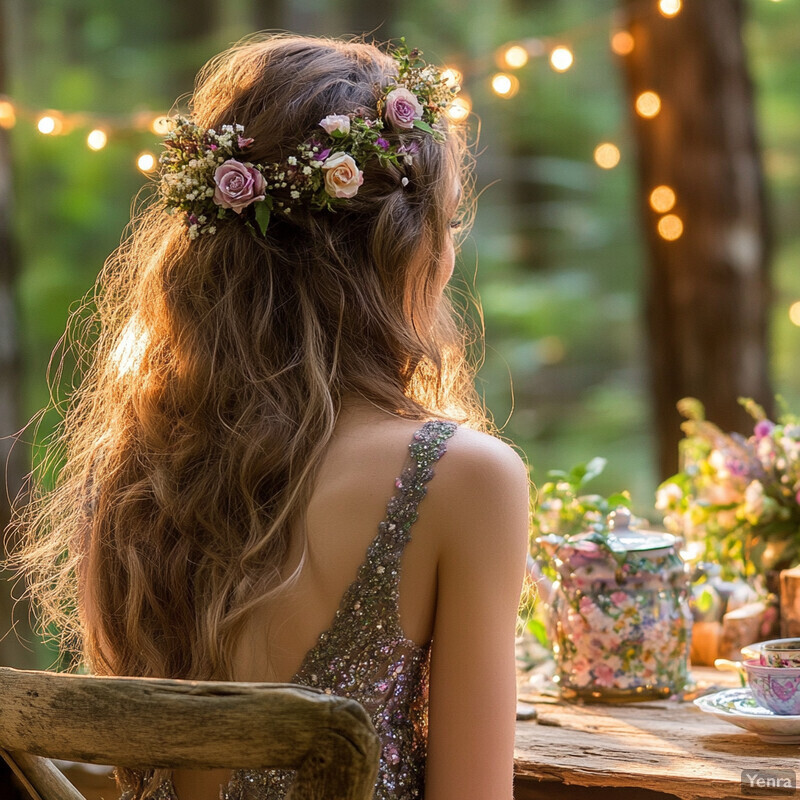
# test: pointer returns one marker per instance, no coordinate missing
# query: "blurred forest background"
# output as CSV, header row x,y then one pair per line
x,y
559,251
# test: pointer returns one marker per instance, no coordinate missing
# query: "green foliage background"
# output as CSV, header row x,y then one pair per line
x,y
556,247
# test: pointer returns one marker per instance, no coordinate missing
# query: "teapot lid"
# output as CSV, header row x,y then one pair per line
x,y
619,522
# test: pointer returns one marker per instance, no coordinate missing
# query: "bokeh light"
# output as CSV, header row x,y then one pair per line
x,y
161,125
505,85
49,124
8,116
662,199
515,57
451,77
648,104
606,155
146,162
794,313
622,43
670,227
669,8
459,109
97,139
561,59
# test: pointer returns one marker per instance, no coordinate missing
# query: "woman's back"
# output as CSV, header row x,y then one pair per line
x,y
359,619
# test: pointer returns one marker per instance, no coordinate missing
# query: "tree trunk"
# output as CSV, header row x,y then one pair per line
x,y
708,291
13,456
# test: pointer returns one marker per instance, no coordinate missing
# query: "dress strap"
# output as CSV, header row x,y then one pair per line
x,y
394,532
369,607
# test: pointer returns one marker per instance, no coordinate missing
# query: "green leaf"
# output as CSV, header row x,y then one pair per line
x,y
619,499
423,126
263,214
705,601
537,628
557,474
593,469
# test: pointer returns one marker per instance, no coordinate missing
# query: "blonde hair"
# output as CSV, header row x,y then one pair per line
x,y
217,369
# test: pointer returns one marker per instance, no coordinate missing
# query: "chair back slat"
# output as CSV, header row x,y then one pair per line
x,y
33,772
149,722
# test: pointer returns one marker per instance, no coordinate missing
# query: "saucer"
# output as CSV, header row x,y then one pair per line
x,y
738,707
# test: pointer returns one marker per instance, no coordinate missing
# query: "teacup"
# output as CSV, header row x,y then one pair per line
x,y
775,688
781,653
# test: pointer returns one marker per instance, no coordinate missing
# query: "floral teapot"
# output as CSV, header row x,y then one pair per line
x,y
618,612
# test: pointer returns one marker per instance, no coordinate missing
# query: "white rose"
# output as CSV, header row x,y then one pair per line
x,y
336,123
342,175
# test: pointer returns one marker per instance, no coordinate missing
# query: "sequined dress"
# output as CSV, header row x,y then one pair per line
x,y
364,655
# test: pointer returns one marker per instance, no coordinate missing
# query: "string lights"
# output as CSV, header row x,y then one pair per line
x,y
510,58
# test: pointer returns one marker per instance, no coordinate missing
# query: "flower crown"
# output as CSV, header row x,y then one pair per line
x,y
205,174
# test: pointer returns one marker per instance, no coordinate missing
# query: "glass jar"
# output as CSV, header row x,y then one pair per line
x,y
619,615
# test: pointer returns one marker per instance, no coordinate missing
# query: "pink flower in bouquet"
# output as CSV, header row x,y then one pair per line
x,y
754,500
237,186
722,494
763,428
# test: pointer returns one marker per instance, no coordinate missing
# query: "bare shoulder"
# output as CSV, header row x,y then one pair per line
x,y
482,485
473,452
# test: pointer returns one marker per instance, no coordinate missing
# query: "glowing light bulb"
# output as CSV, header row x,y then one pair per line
x,y
561,59
97,139
504,85
648,105
669,8
451,77
622,43
161,125
146,162
459,109
515,56
670,227
8,116
794,310
606,155
662,199
49,124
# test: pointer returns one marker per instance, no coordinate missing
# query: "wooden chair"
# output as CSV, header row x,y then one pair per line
x,y
146,722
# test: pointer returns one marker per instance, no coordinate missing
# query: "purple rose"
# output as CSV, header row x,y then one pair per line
x,y
382,143
402,108
237,185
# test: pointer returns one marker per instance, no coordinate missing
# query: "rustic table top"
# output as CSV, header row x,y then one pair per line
x,y
662,746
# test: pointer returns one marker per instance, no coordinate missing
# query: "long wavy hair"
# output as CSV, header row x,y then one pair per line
x,y
214,371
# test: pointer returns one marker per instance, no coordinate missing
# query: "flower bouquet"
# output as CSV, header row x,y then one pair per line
x,y
736,498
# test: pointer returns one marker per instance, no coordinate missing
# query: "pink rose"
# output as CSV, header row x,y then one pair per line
x,y
237,185
342,175
402,108
336,123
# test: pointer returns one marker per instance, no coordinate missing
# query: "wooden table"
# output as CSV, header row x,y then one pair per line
x,y
644,751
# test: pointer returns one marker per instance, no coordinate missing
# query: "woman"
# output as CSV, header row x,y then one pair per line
x,y
275,354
